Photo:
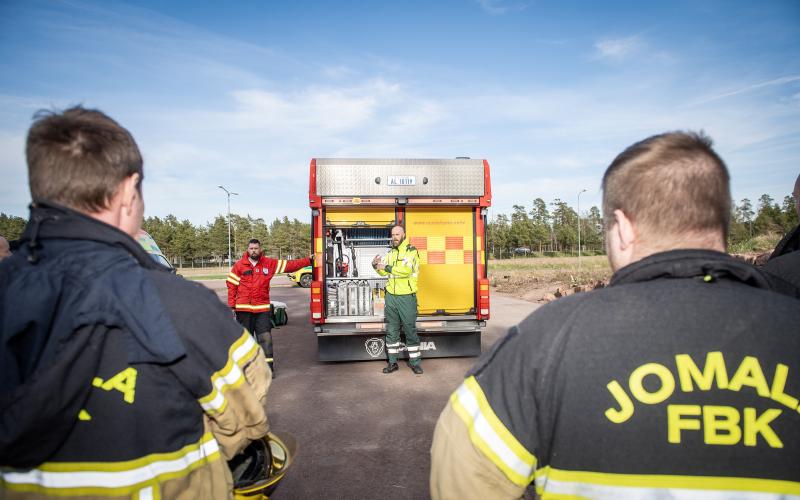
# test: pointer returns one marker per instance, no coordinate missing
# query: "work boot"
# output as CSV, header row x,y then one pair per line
x,y
417,369
391,367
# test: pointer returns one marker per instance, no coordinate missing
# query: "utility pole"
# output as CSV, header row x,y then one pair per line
x,y
229,221
579,229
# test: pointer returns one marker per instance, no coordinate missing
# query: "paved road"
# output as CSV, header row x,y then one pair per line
x,y
361,434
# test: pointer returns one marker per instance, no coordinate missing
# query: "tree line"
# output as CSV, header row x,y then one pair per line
x,y
186,244
553,230
544,228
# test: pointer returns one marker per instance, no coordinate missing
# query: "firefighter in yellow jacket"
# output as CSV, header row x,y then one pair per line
x,y
401,265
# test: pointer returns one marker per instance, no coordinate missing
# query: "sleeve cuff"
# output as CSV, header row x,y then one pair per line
x,y
388,269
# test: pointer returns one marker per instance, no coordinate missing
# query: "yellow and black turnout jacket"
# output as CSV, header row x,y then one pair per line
x,y
680,380
117,378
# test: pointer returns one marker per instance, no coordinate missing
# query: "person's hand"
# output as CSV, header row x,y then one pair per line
x,y
233,311
376,260
311,257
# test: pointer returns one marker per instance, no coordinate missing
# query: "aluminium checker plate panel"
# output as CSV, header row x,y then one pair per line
x,y
356,177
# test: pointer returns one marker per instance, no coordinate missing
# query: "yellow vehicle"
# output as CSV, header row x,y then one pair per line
x,y
443,205
302,277
149,244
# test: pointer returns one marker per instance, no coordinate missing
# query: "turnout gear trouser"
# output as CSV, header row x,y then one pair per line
x,y
401,311
260,326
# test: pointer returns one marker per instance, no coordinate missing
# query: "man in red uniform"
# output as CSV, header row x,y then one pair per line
x,y
248,291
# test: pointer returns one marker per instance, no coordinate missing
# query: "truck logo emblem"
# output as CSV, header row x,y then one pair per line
x,y
374,347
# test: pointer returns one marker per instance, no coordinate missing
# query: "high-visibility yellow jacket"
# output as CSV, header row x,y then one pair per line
x,y
402,267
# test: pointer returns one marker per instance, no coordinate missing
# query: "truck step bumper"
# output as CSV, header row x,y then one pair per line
x,y
373,347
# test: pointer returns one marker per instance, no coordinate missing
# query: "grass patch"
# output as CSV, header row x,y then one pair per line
x,y
761,243
515,275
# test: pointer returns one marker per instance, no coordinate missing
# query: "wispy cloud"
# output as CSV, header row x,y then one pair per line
x,y
499,7
618,49
750,88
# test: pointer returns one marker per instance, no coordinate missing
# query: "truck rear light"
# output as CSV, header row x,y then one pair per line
x,y
483,298
316,301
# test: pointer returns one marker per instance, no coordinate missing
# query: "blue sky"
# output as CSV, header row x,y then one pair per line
x,y
246,93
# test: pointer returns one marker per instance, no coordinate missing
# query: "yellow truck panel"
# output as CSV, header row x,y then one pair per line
x,y
444,238
358,216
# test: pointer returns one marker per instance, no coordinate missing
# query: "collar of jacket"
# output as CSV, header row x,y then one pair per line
x,y
50,220
678,264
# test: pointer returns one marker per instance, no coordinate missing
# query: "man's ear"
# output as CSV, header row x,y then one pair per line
x,y
626,232
130,192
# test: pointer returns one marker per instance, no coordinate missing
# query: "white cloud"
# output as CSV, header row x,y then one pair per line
x,y
499,7
618,49
776,82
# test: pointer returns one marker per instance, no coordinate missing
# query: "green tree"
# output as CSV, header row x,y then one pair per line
x,y
216,235
592,229
565,227
540,220
789,213
11,226
769,216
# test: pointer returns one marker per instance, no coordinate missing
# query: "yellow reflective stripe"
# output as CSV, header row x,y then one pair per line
x,y
557,483
248,307
231,375
111,479
489,434
282,266
232,282
234,276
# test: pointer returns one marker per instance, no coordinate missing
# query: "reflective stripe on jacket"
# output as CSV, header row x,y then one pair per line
x,y
248,284
402,267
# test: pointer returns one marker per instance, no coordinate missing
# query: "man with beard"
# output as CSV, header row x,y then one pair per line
x,y
248,292
401,265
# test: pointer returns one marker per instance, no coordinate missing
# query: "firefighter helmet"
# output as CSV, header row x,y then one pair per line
x,y
258,469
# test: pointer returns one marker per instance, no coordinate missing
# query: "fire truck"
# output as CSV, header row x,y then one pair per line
x,y
443,205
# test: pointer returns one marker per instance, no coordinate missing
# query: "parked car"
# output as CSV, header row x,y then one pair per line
x,y
151,247
302,277
522,250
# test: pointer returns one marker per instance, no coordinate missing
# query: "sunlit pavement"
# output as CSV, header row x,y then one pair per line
x,y
361,434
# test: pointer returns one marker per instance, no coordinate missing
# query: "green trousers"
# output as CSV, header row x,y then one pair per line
x,y
401,311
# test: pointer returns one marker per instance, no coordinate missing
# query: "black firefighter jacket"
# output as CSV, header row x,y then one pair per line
x,y
679,380
117,378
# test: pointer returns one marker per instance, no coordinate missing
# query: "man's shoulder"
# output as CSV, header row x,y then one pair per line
x,y
179,288
787,268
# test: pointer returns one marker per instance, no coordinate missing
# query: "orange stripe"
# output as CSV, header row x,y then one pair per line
x,y
467,256
454,243
435,257
420,242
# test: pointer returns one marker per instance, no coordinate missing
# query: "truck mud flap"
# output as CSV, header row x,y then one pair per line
x,y
373,347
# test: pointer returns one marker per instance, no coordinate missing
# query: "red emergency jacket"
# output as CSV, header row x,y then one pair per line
x,y
248,284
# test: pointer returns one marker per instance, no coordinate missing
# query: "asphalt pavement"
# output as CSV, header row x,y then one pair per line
x,y
361,434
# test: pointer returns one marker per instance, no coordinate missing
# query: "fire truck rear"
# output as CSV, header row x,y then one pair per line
x,y
442,204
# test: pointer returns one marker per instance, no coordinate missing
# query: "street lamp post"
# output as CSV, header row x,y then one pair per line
x,y
229,221
579,228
